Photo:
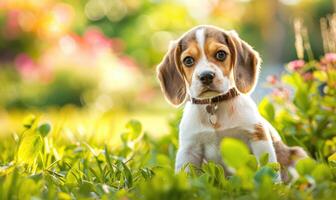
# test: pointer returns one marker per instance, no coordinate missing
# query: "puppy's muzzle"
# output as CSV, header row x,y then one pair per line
x,y
207,77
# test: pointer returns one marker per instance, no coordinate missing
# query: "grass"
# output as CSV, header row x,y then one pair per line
x,y
53,161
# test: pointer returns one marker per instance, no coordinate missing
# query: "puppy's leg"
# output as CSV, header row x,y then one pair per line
x,y
288,157
192,154
261,142
212,153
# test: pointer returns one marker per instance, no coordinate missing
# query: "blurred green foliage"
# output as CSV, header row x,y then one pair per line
x,y
142,168
62,90
306,117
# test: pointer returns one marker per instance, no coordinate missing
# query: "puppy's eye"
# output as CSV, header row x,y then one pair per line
x,y
188,61
220,55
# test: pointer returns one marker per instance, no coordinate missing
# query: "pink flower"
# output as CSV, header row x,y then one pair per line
x,y
272,79
330,57
281,92
127,61
96,39
24,62
323,66
12,26
295,65
308,76
25,65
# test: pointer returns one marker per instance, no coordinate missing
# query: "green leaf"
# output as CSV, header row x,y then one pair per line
x,y
321,76
305,166
332,158
133,131
29,121
322,173
294,80
265,171
134,125
108,159
44,129
85,188
301,100
234,152
128,177
274,165
266,109
36,177
252,163
29,148
263,160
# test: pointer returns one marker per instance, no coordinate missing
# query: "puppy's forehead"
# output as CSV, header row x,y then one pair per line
x,y
200,35
188,38
216,34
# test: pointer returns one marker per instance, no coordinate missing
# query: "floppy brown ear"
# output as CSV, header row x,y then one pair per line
x,y
247,63
171,80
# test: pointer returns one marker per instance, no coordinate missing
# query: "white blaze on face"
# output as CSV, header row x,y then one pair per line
x,y
196,86
203,64
200,38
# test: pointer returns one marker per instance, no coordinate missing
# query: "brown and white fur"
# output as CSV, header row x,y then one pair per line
x,y
238,117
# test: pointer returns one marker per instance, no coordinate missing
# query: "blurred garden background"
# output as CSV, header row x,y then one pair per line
x,y
98,57
87,67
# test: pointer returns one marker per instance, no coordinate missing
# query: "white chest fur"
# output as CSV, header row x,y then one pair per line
x,y
234,116
199,139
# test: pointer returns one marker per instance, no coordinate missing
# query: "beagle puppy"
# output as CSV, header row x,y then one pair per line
x,y
213,72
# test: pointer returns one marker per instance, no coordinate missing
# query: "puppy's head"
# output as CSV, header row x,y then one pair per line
x,y
207,61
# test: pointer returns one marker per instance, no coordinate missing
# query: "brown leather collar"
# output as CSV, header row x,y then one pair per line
x,y
216,99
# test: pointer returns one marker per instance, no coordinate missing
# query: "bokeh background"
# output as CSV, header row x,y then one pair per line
x,y
90,64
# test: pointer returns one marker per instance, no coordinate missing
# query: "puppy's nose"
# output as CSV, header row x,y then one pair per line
x,y
207,77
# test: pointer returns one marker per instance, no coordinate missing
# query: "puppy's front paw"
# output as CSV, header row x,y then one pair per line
x,y
187,168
